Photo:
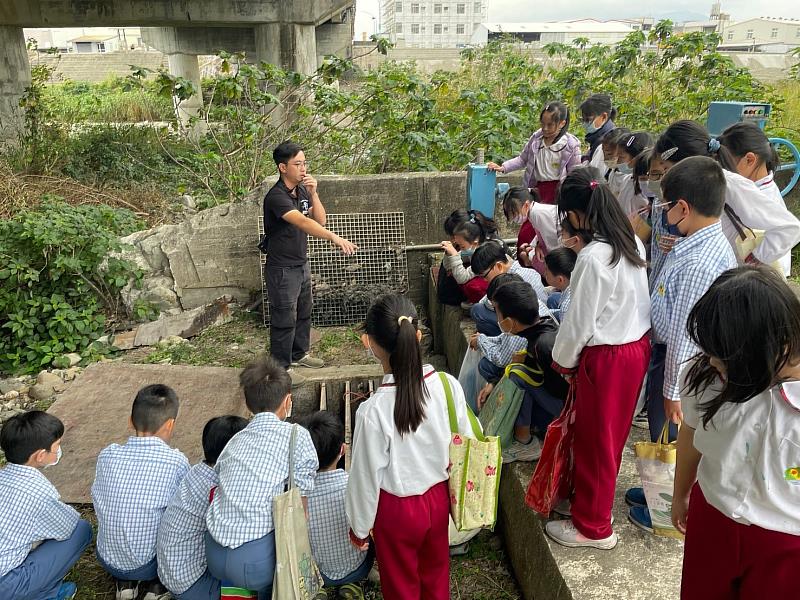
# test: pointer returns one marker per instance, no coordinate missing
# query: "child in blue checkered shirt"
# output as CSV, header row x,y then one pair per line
x,y
41,538
181,547
253,469
342,565
133,484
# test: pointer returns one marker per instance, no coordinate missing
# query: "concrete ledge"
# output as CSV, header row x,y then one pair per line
x,y
641,567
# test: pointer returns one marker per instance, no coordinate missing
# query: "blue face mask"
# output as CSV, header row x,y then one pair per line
x,y
467,253
624,169
589,127
671,229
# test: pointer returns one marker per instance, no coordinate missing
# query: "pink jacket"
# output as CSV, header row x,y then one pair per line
x,y
570,158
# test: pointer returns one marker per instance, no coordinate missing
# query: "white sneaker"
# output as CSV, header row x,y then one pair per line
x,y
519,452
565,533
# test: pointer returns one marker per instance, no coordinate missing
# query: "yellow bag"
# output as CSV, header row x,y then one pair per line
x,y
748,240
655,462
475,465
296,574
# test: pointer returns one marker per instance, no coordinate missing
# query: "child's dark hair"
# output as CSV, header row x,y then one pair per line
x,y
700,181
586,236
514,198
741,138
454,219
583,190
749,319
265,385
641,168
559,112
688,138
516,299
597,104
486,255
477,227
614,136
635,143
286,151
561,261
502,279
217,433
392,321
29,432
327,433
153,406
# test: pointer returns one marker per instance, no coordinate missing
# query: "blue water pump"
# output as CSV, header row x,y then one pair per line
x,y
482,187
722,115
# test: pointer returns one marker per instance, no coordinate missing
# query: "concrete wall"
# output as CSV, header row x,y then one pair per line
x,y
98,67
213,253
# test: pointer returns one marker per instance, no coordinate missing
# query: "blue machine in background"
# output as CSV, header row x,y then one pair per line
x,y
482,187
722,115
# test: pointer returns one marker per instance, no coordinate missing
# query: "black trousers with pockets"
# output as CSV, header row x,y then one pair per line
x,y
289,294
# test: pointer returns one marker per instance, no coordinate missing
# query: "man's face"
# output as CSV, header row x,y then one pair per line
x,y
295,169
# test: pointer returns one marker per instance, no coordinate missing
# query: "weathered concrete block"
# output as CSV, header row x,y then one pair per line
x,y
186,325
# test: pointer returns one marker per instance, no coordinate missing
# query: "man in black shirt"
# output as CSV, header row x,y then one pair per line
x,y
292,212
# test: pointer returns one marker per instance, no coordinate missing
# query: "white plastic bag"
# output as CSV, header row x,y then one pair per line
x,y
470,378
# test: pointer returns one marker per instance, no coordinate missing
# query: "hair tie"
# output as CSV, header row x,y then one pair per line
x,y
593,184
404,318
472,220
713,145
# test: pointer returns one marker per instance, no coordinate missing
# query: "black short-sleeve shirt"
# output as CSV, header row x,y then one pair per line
x,y
287,245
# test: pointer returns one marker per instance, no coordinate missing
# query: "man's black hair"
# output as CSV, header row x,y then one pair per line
x,y
327,433
286,151
153,406
217,433
29,432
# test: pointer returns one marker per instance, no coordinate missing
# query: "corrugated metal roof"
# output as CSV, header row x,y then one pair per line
x,y
560,27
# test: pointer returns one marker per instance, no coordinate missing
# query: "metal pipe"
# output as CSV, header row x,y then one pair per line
x,y
438,247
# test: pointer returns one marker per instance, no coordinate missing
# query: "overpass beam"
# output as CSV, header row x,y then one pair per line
x,y
15,76
290,46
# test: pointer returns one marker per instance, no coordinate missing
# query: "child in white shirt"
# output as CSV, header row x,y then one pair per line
x,y
397,491
737,478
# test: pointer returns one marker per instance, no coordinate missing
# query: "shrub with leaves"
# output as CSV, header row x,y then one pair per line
x,y
57,283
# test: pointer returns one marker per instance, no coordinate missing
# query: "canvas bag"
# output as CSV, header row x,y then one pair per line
x,y
552,479
475,465
500,411
296,574
655,462
470,378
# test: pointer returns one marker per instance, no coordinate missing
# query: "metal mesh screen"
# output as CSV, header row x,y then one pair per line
x,y
343,287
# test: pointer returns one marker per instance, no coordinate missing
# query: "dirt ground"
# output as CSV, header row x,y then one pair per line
x,y
240,341
482,574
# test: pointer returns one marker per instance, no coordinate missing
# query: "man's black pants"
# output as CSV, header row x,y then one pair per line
x,y
289,292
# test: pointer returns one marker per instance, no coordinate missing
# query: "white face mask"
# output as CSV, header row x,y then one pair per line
x,y
500,325
520,219
58,458
644,185
655,190
624,169
610,163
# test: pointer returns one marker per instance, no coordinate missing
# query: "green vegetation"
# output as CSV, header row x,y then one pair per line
x,y
112,101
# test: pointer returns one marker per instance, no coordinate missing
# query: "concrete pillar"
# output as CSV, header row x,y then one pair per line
x,y
15,76
288,45
187,67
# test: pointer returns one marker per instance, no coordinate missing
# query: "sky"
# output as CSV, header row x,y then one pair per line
x,y
531,10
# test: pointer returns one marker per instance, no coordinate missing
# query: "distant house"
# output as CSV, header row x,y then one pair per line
x,y
539,34
764,34
94,43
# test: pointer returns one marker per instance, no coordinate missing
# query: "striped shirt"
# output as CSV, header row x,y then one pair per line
x,y
328,529
689,270
253,469
180,548
132,486
31,511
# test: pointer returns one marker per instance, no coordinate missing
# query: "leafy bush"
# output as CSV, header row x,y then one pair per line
x,y
56,280
111,101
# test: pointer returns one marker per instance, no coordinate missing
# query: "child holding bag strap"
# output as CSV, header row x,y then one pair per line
x,y
397,489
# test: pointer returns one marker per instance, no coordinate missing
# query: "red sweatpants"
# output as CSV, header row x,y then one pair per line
x,y
726,560
548,191
608,383
411,542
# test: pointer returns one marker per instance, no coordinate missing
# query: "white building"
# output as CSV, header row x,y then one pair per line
x,y
565,32
432,23
87,39
765,34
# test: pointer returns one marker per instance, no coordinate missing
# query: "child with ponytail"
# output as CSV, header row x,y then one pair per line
x,y
737,477
397,491
603,347
549,155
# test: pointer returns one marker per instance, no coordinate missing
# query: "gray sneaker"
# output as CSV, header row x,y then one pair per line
x,y
309,362
297,379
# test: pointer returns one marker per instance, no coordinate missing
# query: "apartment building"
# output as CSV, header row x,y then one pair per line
x,y
432,23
